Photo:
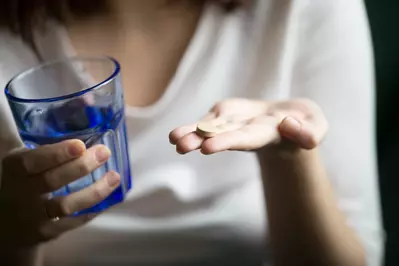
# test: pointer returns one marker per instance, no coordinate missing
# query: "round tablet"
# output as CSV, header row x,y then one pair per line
x,y
208,129
211,129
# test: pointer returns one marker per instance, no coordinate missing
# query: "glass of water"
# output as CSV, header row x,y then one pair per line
x,y
75,98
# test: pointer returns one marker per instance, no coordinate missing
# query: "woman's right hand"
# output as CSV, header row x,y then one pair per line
x,y
28,216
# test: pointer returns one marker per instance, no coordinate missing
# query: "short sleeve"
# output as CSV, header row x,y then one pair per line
x,y
334,68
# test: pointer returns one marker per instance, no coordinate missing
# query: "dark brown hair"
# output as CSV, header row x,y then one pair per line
x,y
22,16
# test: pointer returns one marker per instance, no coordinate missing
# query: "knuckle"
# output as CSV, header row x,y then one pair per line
x,y
98,193
65,208
84,168
59,157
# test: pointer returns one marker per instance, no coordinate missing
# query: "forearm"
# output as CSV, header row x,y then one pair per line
x,y
306,226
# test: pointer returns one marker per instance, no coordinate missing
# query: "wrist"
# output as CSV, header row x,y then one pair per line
x,y
288,162
285,150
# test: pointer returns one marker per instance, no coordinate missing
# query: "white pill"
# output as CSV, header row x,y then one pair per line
x,y
207,130
212,128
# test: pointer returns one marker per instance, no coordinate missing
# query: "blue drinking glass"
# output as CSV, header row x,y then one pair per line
x,y
75,98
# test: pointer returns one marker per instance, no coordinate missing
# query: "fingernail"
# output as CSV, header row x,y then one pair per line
x,y
290,124
293,122
102,154
76,149
290,128
113,179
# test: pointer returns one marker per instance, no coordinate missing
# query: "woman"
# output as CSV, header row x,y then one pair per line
x,y
183,60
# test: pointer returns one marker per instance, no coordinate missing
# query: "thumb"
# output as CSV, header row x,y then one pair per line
x,y
303,134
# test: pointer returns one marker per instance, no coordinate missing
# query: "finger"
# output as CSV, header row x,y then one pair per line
x,y
250,137
190,142
85,198
180,132
58,177
305,134
47,156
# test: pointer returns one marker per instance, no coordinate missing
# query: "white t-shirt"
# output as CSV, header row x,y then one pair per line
x,y
205,210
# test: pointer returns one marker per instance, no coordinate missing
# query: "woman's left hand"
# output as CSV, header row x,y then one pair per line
x,y
256,125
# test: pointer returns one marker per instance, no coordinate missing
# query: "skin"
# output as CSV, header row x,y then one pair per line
x,y
28,174
306,227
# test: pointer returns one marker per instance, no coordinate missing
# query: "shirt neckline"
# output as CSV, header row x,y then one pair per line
x,y
194,52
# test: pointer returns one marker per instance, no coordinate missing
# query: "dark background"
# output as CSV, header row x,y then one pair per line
x,y
384,21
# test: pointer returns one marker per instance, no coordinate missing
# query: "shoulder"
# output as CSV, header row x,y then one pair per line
x,y
277,15
15,56
334,15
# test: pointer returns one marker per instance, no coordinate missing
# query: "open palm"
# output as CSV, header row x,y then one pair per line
x,y
254,124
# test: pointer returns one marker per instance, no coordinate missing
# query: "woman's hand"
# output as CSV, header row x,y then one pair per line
x,y
28,215
256,125
306,227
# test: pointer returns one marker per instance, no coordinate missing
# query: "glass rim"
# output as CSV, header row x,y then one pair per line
x,y
25,72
